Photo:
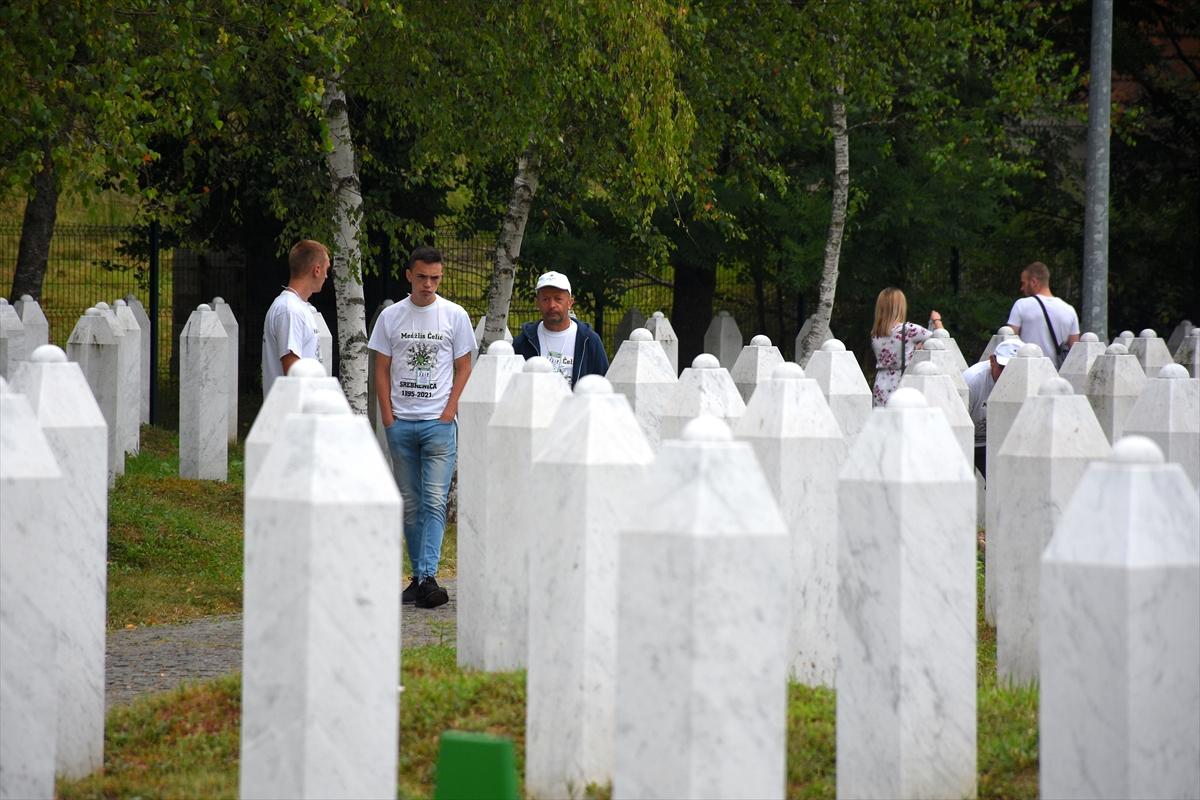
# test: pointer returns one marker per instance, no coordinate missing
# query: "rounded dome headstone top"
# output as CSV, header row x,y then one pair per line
x,y
1174,372
3,301
941,333
760,341
1004,330
706,361
722,313
500,348
1056,386
1137,450
926,368
93,312
1089,337
218,300
1147,333
787,371
707,428
103,306
657,315
1116,349
324,402
593,384
935,344
307,368
25,298
119,304
1126,334
1029,350
641,335
907,397
48,354
833,346
204,307
538,364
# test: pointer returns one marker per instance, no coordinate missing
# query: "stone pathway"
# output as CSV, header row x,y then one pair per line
x,y
161,657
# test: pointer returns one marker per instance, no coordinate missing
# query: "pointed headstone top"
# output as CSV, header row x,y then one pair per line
x,y
906,397
500,348
706,361
1137,450
707,428
593,384
1056,386
538,364
641,335
760,341
1089,337
833,346
787,371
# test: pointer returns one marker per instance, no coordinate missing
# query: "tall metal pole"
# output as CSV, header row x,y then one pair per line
x,y
154,290
1095,222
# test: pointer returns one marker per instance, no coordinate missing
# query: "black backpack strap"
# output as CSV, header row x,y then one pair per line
x,y
1050,327
903,354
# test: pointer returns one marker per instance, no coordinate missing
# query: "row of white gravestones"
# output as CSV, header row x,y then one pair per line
x,y
230,325
93,346
836,371
62,407
1168,413
935,352
143,322
203,397
1004,333
321,636
1113,385
1151,352
641,371
704,388
660,328
1119,686
12,338
1078,363
130,366
1188,354
723,339
754,365
1052,440
486,386
37,327
943,335
940,392
1178,334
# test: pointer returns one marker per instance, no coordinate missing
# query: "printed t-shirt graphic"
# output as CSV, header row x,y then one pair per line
x,y
558,347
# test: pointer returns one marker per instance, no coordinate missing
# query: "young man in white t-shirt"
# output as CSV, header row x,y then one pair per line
x,y
290,331
422,361
1029,315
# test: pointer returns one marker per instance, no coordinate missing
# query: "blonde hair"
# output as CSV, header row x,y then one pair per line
x,y
891,307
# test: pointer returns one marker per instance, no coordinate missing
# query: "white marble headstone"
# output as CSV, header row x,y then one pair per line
x,y
479,327
754,365
131,376
1168,413
1188,353
230,324
373,414
1120,597
935,352
93,346
143,321
32,525
704,388
724,339
324,339
702,677
660,327
800,447
836,371
12,338
488,381
1003,333
939,391
1178,334
37,327
906,690
943,335
63,405
203,397
1048,448
321,636
595,461
1150,351
642,372
1079,360
1124,338
1114,383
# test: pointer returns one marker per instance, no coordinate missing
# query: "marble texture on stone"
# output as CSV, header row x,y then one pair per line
x,y
230,324
131,376
1150,351
754,365
203,393
801,450
934,352
321,635
938,389
702,678
489,378
660,328
1120,596
804,331
943,335
32,525
631,320
324,339
1079,360
1188,353
12,339
37,327
64,408
287,394
595,461
143,321
1178,334
93,346
1021,379
127,420
1168,413
906,689
1114,383
704,388
1124,338
508,337
724,339
1053,439
373,414
642,373
1003,333
519,429
836,371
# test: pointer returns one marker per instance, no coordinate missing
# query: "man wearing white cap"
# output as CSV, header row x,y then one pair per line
x,y
981,379
570,345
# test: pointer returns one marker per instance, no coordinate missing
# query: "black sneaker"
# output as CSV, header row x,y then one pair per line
x,y
430,595
410,593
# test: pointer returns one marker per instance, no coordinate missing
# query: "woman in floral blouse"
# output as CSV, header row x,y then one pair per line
x,y
887,334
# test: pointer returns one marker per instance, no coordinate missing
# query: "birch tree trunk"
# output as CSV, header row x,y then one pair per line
x,y
37,229
347,258
508,249
837,224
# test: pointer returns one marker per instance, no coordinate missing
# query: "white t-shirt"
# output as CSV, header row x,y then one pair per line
x,y
558,347
422,343
289,328
1027,314
980,383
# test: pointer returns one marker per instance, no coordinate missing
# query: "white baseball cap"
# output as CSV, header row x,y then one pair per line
x,y
1006,350
554,279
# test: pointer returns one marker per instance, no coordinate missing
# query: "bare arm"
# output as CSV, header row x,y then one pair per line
x,y
1016,329
1072,339
383,388
287,359
462,371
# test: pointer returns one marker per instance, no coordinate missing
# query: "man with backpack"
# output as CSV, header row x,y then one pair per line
x,y
1041,318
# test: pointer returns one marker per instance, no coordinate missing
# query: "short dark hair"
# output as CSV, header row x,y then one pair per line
x,y
304,255
424,254
1039,271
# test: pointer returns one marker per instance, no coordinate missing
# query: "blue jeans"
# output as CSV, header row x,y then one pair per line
x,y
423,455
